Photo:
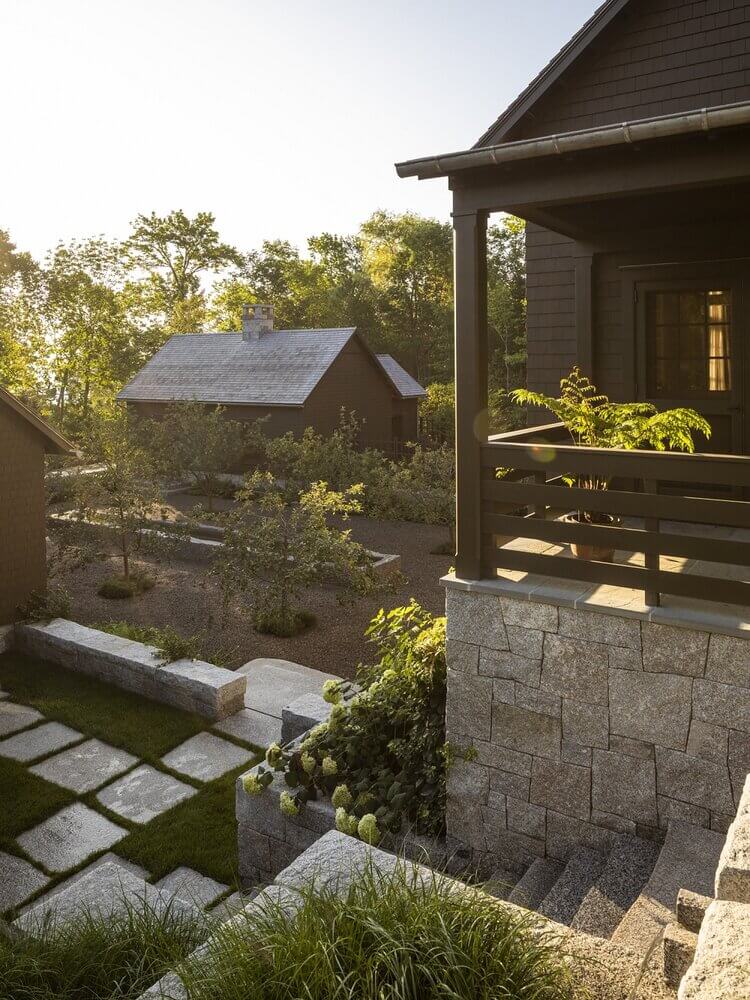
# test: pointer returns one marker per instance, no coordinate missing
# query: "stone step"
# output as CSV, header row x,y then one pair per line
x,y
687,860
565,897
536,883
189,885
628,868
105,891
500,884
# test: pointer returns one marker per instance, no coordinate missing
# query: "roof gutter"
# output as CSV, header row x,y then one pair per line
x,y
624,134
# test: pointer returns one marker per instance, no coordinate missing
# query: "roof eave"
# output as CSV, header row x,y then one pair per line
x,y
608,136
56,443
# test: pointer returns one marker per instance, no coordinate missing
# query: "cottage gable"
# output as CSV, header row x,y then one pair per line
x,y
634,60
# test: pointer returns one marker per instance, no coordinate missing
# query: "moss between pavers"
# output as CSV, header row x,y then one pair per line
x,y
199,833
145,728
26,800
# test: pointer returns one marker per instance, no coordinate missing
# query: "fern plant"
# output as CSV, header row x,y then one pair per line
x,y
593,421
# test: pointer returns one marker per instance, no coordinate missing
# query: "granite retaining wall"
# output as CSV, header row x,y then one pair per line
x,y
586,724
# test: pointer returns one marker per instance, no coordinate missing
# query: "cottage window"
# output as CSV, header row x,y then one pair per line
x,y
688,343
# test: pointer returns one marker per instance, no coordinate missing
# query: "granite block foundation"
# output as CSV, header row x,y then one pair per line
x,y
587,723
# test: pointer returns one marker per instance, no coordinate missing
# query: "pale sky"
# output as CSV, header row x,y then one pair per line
x,y
284,118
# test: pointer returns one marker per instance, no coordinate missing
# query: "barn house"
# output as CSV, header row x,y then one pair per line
x,y
293,378
24,440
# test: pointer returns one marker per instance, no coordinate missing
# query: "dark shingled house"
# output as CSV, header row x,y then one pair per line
x,y
295,378
24,440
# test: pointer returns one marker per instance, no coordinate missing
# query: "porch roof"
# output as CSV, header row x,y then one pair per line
x,y
704,120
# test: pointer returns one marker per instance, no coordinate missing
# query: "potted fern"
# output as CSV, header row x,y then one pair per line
x,y
594,421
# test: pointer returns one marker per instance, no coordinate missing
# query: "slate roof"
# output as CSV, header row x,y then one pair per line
x,y
407,386
280,369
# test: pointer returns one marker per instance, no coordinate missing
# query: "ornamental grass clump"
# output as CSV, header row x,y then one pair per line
x,y
401,936
92,956
381,758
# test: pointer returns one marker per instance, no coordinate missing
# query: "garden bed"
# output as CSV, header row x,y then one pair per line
x,y
187,599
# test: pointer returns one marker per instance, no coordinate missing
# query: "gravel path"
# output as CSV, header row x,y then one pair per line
x,y
186,598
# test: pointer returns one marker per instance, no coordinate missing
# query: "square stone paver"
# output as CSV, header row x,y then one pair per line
x,y
143,794
38,742
14,717
206,757
105,859
192,886
85,767
18,881
253,727
69,837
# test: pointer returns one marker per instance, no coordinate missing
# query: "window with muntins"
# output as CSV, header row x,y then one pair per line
x,y
688,341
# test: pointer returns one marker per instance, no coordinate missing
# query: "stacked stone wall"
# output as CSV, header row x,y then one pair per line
x,y
587,724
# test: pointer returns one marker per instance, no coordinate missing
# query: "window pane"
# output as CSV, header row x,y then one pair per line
x,y
693,342
666,307
693,307
667,341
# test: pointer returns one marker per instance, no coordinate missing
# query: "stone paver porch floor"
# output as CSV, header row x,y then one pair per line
x,y
625,601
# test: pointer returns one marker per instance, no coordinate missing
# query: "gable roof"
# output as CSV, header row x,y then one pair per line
x,y
53,441
407,386
551,73
281,368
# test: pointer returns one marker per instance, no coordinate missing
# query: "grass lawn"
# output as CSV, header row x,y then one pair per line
x,y
199,833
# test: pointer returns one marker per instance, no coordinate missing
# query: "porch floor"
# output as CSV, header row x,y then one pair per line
x,y
689,612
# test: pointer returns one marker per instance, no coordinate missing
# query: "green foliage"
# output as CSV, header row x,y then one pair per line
x,y
198,443
55,602
116,588
595,422
381,756
170,644
279,543
123,495
401,936
111,958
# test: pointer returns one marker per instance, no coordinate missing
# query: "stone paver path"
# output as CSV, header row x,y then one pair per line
x,y
14,717
69,837
206,757
192,887
85,767
18,881
252,727
143,794
105,859
38,742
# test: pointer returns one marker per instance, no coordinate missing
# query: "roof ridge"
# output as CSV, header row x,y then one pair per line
x,y
549,74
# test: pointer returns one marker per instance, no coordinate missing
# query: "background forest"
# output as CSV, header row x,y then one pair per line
x,y
77,325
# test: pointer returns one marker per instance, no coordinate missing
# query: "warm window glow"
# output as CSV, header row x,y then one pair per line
x,y
688,343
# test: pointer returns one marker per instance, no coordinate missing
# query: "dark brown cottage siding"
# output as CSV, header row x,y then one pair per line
x,y
655,58
353,382
278,419
22,509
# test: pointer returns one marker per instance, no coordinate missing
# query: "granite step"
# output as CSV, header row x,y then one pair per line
x,y
500,884
583,868
536,883
627,870
688,860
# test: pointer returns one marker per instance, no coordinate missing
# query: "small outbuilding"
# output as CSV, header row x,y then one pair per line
x,y
293,378
24,440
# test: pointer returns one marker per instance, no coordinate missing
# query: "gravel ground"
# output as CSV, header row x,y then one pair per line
x,y
186,598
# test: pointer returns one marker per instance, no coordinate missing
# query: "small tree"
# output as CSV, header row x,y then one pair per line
x,y
199,443
275,549
122,496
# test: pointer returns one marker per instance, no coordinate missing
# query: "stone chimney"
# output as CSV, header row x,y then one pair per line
x,y
257,320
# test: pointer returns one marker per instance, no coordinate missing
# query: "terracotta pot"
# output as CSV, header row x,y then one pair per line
x,y
592,553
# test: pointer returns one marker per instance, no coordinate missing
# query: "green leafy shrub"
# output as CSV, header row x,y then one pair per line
x,y
400,936
170,644
55,602
116,958
120,587
381,757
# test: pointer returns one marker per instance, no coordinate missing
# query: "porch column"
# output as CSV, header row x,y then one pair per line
x,y
470,290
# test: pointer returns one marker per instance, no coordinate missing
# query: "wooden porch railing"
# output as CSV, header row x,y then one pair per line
x,y
525,502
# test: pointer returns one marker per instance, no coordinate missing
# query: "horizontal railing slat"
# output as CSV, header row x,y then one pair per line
x,y
618,575
729,470
702,510
627,539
